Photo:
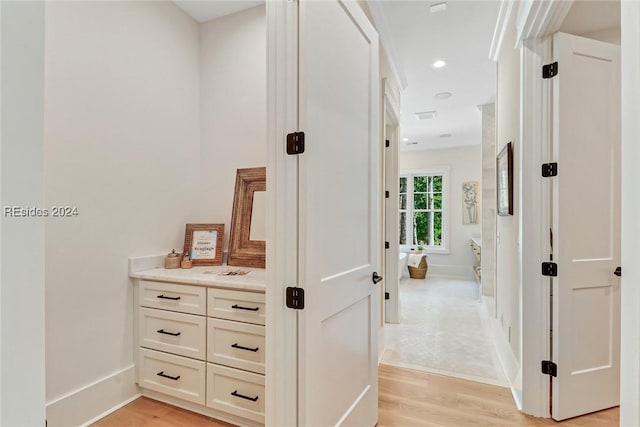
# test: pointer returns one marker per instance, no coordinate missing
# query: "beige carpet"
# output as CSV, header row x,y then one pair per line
x,y
444,330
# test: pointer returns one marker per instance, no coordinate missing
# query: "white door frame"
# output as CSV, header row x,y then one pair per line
x,y
630,285
536,21
391,116
282,252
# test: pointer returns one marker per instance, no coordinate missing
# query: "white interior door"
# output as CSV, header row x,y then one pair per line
x,y
586,226
338,211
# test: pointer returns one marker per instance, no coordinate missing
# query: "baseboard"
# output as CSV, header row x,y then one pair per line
x,y
452,271
88,404
509,363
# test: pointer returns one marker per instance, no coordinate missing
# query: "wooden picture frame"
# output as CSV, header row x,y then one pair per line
x,y
205,235
242,250
504,184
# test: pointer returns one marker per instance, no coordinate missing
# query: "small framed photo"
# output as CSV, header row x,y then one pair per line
x,y
203,243
504,171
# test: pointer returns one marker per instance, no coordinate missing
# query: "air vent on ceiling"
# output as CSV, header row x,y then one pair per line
x,y
438,7
426,115
412,143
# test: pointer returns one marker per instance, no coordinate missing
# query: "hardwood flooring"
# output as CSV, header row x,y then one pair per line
x,y
407,398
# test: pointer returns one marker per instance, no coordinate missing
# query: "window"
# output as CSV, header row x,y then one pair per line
x,y
423,213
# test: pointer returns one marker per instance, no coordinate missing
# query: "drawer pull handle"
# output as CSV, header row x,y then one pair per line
x,y
173,334
239,307
245,348
236,394
163,375
171,298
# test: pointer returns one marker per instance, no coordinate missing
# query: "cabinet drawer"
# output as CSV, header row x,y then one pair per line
x,y
172,375
174,297
235,344
237,392
236,305
178,333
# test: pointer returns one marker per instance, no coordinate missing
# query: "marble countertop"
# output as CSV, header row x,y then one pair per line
x,y
255,280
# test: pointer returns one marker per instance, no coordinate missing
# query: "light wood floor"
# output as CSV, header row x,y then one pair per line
x,y
407,398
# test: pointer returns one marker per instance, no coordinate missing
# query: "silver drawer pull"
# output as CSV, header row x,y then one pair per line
x,y
163,375
173,334
241,396
236,345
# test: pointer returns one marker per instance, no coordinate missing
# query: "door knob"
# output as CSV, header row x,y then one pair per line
x,y
618,271
376,278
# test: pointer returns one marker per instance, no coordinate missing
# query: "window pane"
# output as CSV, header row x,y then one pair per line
x,y
403,228
420,184
437,201
437,228
403,201
420,200
403,184
421,227
437,184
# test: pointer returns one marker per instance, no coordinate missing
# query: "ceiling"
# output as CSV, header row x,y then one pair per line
x,y
203,11
461,35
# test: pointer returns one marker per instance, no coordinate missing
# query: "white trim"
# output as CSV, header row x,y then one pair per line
x,y
508,361
110,411
93,401
386,40
534,226
282,256
504,16
537,19
630,284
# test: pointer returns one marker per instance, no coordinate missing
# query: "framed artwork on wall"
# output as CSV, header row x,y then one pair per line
x,y
504,171
470,199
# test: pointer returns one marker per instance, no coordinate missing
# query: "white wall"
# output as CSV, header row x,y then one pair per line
x,y
122,144
22,376
507,244
234,106
466,165
630,285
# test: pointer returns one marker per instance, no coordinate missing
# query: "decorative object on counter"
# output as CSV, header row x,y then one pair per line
x,y
242,250
203,243
504,170
236,272
186,261
470,207
417,265
172,260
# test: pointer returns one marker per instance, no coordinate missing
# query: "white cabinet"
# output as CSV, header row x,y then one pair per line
x,y
202,347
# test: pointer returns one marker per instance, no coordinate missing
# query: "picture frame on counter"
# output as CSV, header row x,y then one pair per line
x,y
203,243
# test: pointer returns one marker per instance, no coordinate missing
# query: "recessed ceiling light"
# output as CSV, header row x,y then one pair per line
x,y
438,7
445,135
439,63
425,115
405,139
443,95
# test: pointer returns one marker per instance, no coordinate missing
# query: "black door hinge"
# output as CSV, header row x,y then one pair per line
x,y
295,298
549,269
386,295
386,142
549,169
549,368
386,245
295,143
386,194
550,70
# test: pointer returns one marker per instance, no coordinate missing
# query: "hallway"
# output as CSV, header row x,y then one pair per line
x,y
443,330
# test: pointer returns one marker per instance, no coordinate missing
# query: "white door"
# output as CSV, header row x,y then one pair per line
x,y
586,226
338,215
